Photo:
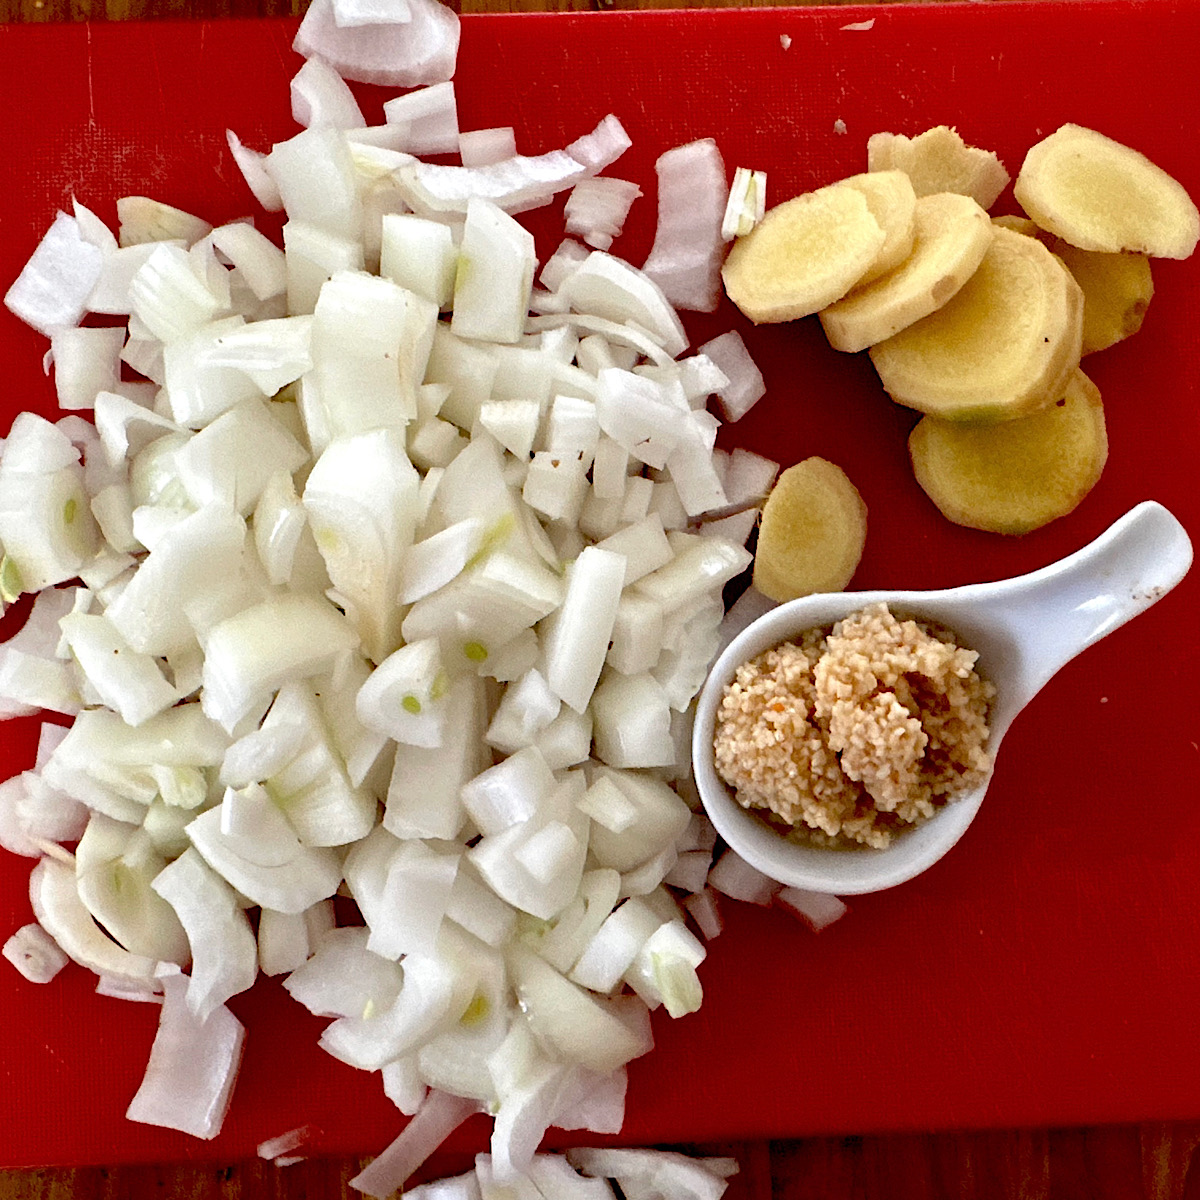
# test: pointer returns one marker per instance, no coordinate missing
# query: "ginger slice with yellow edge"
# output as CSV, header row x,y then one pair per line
x,y
1117,290
892,201
804,254
938,160
1002,348
952,234
1099,194
814,527
1015,476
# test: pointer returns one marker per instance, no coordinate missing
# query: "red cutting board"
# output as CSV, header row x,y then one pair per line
x,y
1046,971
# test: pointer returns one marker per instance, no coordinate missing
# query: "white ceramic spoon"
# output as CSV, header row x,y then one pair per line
x,y
1025,630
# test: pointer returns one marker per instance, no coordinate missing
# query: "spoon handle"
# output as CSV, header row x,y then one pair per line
x,y
1064,608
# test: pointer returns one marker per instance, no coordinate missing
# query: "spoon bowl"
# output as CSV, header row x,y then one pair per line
x,y
1025,629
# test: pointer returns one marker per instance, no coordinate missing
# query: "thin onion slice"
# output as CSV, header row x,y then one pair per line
x,y
436,1119
258,178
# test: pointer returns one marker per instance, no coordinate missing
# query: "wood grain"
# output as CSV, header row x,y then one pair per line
x,y
1146,1162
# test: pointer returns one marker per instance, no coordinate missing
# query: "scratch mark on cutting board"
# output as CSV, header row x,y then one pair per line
x,y
162,96
91,89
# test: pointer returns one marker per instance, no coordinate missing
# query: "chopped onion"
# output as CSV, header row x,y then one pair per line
x,y
813,908
35,954
482,147
436,1119
426,120
421,50
252,164
224,960
738,879
61,913
747,203
410,574
602,147
279,1149
685,260
320,96
143,219
86,362
597,207
704,909
193,1064
745,385
350,13
53,288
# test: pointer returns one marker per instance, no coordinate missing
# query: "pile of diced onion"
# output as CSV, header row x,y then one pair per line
x,y
382,570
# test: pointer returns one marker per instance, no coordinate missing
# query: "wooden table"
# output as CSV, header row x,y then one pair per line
x,y
1110,1163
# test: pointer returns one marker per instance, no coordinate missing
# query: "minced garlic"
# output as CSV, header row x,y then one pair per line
x,y
857,731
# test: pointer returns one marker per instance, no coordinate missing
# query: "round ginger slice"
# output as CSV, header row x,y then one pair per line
x,y
1016,476
1099,194
1002,348
814,527
1117,290
892,201
804,254
952,234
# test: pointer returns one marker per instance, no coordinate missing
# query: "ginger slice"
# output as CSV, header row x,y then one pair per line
x,y
1002,348
804,254
938,160
1099,194
1117,290
1019,224
814,527
1016,476
892,201
952,234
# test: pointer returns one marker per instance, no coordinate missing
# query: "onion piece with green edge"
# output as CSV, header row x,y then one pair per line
x,y
434,994
310,780
424,793
494,275
115,885
361,498
193,1064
